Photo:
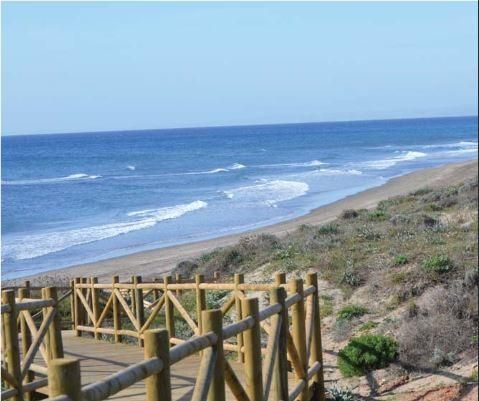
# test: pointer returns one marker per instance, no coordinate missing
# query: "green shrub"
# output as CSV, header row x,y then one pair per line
x,y
421,191
376,215
438,264
349,312
285,253
367,233
351,278
400,260
365,353
369,326
328,229
339,394
215,299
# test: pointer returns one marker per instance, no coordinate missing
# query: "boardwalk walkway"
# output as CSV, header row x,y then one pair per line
x,y
99,359
271,327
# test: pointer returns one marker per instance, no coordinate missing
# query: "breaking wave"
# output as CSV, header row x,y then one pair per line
x,y
386,163
268,192
312,163
35,245
72,177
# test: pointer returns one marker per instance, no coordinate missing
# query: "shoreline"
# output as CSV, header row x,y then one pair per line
x,y
157,262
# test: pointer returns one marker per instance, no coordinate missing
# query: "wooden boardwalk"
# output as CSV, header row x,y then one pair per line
x,y
270,337
99,359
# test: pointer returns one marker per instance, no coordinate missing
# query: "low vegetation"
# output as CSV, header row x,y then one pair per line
x,y
349,312
340,394
366,353
412,260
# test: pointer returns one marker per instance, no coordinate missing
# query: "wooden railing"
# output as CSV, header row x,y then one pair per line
x,y
30,327
281,332
267,340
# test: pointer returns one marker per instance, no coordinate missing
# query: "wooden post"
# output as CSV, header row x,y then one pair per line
x,y
213,322
316,345
133,297
64,378
116,311
238,279
55,329
77,304
279,278
4,344
178,279
169,309
46,339
72,303
299,330
84,315
157,345
95,300
26,338
140,310
217,277
252,354
280,376
200,300
156,293
12,351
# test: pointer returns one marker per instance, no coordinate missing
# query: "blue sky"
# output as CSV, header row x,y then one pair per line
x,y
86,66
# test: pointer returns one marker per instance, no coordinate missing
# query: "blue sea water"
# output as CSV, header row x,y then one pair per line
x,y
75,198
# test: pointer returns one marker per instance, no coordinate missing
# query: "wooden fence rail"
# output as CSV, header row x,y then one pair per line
x,y
270,335
24,335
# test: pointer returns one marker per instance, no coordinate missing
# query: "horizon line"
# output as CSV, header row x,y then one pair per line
x,y
238,125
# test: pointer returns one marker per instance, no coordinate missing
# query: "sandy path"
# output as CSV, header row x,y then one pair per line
x,y
160,261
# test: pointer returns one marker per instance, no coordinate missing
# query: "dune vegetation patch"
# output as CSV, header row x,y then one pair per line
x,y
414,258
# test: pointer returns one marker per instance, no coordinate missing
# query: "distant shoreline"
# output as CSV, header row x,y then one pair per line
x,y
160,261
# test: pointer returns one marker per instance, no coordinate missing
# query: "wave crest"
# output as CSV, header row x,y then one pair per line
x,y
386,163
268,192
35,245
71,177
236,166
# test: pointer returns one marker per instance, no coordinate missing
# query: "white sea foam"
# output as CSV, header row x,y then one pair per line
x,y
214,171
312,163
171,212
35,245
236,166
72,177
386,163
461,144
332,171
456,149
268,192
131,167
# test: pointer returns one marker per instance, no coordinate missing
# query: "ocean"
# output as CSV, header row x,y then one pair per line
x,y
75,198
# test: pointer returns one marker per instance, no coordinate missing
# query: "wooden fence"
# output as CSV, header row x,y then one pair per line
x,y
271,335
29,327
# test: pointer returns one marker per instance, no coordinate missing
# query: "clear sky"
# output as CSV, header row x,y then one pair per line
x,y
73,66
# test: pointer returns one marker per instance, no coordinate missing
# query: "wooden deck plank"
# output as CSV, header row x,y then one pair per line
x,y
99,359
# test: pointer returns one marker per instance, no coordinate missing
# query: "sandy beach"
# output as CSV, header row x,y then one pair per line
x,y
158,262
